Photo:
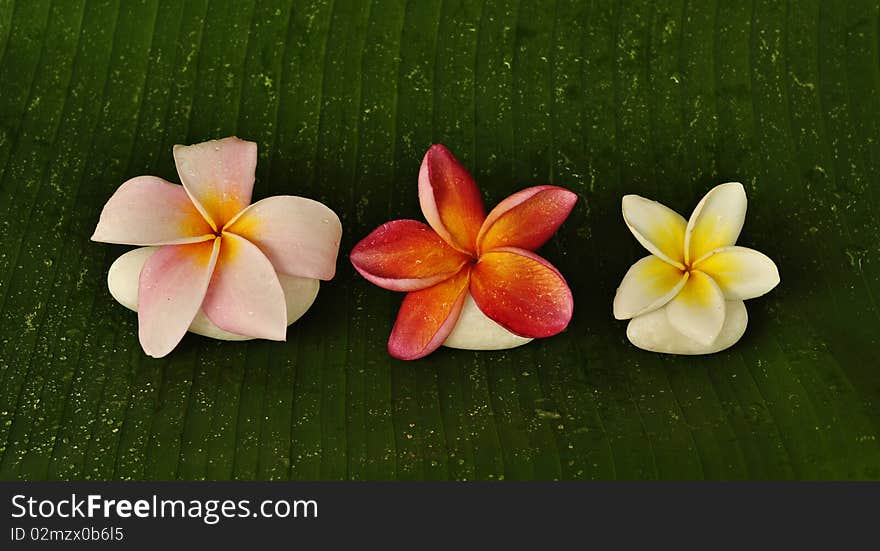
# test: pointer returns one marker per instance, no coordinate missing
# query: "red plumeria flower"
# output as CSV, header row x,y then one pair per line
x,y
466,252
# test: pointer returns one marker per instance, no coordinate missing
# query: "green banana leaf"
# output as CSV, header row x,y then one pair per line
x,y
664,99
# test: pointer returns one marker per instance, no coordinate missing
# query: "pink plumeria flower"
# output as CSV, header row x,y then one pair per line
x,y
217,253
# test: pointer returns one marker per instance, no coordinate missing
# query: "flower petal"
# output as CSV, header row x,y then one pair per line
x,y
405,255
648,284
300,236
147,210
171,289
657,227
450,200
697,311
218,175
716,222
740,272
245,296
521,291
526,219
299,293
427,317
122,280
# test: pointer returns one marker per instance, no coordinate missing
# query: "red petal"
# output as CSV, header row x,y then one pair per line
x,y
522,292
450,200
427,317
405,255
526,219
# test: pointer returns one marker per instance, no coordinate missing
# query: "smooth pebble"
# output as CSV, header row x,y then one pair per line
x,y
654,333
476,331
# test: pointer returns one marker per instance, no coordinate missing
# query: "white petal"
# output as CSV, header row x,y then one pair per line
x,y
740,272
476,331
122,280
657,227
716,222
654,333
697,311
649,284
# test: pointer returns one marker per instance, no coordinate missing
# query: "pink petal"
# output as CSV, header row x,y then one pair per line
x,y
300,236
171,289
245,296
147,210
526,219
218,175
450,200
405,255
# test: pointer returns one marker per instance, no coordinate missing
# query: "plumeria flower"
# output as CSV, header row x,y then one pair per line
x,y
213,262
468,268
686,297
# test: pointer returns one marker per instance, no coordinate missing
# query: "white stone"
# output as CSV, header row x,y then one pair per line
x,y
122,280
654,333
476,331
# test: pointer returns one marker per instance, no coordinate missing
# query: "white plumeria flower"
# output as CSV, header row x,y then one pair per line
x,y
686,297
